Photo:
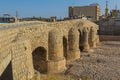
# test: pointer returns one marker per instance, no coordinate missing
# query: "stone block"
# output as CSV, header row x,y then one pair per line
x,y
56,66
73,54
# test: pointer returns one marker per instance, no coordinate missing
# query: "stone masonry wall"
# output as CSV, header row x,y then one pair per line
x,y
19,40
22,65
6,36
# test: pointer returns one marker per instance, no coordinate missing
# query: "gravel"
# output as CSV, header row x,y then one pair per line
x,y
102,63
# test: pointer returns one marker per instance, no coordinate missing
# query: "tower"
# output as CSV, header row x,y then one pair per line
x,y
106,9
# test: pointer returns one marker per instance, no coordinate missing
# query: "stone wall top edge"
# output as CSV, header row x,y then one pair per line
x,y
67,23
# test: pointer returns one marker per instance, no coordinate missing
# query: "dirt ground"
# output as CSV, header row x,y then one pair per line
x,y
101,63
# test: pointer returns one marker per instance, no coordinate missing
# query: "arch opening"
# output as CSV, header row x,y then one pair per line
x,y
39,59
80,40
7,74
65,47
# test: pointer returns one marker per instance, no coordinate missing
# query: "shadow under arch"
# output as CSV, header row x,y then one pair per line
x,y
65,47
7,74
39,59
80,40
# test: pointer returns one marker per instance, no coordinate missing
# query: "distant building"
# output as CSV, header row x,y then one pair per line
x,y
51,19
7,18
110,22
91,12
109,26
115,13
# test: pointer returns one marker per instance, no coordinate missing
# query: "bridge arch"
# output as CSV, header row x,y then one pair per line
x,y
73,42
86,46
7,74
55,45
40,59
57,62
80,40
65,47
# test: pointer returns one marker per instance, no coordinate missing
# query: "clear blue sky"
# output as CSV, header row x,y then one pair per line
x,y
47,8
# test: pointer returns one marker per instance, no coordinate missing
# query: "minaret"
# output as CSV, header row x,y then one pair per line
x,y
106,9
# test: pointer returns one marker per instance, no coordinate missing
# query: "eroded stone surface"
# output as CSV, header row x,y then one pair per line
x,y
19,40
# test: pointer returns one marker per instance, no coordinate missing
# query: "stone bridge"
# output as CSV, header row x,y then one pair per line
x,y
27,48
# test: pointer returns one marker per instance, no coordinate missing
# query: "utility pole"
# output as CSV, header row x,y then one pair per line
x,y
116,7
17,16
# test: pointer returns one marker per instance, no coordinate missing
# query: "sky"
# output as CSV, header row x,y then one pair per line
x,y
48,8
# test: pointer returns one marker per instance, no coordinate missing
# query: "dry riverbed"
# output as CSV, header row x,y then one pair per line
x,y
101,63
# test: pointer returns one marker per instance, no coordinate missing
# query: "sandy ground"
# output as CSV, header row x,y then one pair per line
x,y
101,63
